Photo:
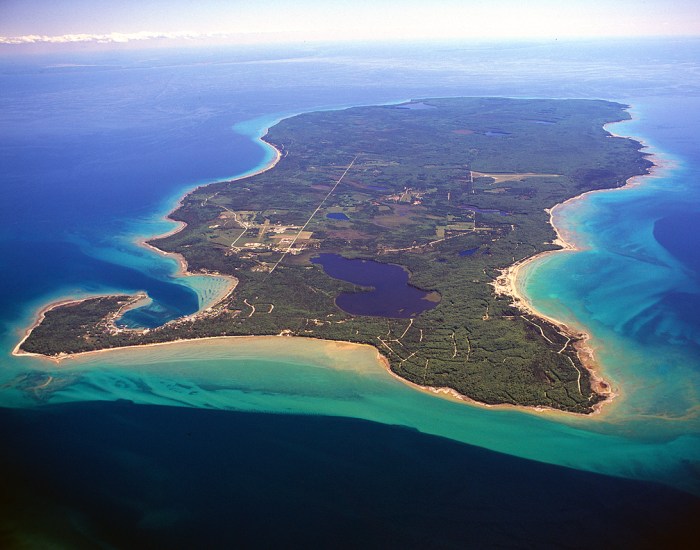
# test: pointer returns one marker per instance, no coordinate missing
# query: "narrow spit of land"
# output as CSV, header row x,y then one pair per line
x,y
455,193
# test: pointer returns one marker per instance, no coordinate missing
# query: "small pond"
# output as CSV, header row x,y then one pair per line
x,y
337,216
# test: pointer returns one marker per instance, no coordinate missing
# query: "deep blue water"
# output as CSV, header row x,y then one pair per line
x,y
145,476
88,157
667,231
390,295
337,216
93,155
678,233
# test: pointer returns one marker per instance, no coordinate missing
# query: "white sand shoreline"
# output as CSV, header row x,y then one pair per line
x,y
145,242
183,271
510,280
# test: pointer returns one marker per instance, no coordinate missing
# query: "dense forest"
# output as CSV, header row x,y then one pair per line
x,y
453,190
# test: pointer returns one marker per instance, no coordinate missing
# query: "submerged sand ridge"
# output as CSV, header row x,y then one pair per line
x,y
297,375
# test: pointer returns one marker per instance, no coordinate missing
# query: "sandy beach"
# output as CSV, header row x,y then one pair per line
x,y
453,395
147,242
334,354
183,271
139,299
512,280
136,300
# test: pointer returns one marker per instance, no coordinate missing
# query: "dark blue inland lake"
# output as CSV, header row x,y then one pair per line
x,y
337,216
391,295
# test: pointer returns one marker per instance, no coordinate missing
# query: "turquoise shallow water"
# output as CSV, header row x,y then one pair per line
x,y
629,291
278,375
634,294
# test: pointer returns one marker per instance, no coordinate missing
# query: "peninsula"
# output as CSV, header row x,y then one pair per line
x,y
394,226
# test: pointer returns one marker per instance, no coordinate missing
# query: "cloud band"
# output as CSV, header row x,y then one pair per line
x,y
111,38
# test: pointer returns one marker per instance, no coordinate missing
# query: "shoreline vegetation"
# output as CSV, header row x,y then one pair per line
x,y
511,281
562,343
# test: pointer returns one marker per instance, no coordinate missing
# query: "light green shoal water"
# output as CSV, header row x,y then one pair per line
x,y
293,375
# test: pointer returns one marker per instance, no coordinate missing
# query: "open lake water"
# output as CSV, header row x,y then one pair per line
x,y
288,441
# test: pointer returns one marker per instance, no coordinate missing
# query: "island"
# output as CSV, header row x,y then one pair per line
x,y
396,226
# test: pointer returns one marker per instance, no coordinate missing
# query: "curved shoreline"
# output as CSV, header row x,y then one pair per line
x,y
444,392
144,242
510,282
180,225
381,360
507,284
41,314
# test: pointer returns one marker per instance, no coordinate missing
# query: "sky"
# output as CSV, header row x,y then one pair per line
x,y
118,22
